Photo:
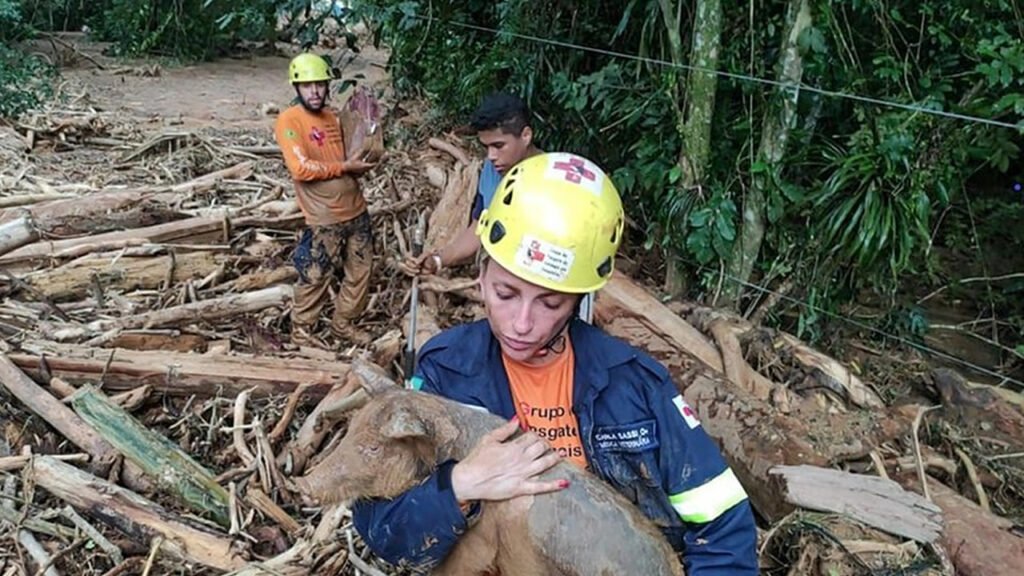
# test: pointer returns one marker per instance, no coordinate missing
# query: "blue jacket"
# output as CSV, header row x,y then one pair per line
x,y
638,435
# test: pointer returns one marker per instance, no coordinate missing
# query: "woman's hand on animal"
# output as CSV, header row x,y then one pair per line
x,y
499,470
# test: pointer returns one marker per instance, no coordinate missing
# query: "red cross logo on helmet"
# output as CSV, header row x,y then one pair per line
x,y
575,170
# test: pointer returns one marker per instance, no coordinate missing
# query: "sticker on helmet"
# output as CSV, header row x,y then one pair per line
x,y
577,170
544,259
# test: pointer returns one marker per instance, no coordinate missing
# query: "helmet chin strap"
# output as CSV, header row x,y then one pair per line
x,y
556,344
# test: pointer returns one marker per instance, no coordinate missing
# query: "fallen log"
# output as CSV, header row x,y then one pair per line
x,y
75,279
139,518
57,415
188,230
180,373
16,233
980,410
875,501
173,470
103,212
979,543
223,307
622,295
754,436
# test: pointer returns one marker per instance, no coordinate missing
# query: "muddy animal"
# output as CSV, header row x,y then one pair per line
x,y
399,437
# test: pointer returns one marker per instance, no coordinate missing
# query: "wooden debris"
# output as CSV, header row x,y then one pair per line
x,y
979,542
457,153
56,414
452,213
174,470
73,280
140,519
214,308
16,233
623,296
179,373
872,500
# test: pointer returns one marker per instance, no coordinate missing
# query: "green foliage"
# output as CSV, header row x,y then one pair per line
x,y
857,197
25,81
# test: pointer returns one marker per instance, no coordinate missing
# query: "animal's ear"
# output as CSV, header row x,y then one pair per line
x,y
404,424
372,378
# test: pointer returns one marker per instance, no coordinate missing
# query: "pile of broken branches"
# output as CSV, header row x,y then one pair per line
x,y
155,412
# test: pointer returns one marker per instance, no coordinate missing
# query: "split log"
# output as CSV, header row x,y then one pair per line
x,y
140,519
16,233
223,307
979,543
873,500
173,469
181,374
831,373
57,415
74,280
622,295
452,213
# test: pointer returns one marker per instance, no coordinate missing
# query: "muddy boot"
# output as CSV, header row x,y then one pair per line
x,y
304,336
349,334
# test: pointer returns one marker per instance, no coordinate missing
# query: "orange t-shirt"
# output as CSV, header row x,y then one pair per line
x,y
543,399
314,152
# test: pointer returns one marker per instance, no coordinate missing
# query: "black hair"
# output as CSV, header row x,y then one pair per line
x,y
501,110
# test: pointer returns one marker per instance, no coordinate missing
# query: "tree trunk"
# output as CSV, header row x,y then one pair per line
x,y
141,519
700,93
223,307
57,415
778,121
74,280
158,457
181,374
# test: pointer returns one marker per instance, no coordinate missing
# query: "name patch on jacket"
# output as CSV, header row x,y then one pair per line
x,y
633,437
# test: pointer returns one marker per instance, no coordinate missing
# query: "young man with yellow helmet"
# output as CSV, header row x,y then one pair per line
x,y
550,235
338,237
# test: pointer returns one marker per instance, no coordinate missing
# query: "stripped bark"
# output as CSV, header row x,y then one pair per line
x,y
164,461
139,518
57,415
181,373
75,279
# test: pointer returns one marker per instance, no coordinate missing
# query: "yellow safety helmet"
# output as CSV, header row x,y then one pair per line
x,y
556,221
308,68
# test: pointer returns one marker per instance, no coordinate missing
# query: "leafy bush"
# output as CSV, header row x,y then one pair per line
x,y
25,81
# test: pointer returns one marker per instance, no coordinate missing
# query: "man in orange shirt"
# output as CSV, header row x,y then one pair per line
x,y
338,236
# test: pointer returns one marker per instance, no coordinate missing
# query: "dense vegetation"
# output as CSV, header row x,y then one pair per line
x,y
737,178
739,181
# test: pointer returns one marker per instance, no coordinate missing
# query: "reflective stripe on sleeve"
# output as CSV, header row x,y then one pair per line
x,y
709,500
